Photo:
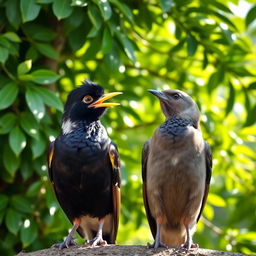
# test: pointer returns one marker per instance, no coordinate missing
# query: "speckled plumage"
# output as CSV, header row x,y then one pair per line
x,y
176,171
84,169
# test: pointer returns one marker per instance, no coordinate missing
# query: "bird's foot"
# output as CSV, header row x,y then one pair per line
x,y
69,241
157,245
188,245
98,240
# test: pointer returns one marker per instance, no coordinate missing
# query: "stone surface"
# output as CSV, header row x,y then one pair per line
x,y
129,250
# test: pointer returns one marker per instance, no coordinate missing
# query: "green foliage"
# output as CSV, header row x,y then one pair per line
x,y
47,47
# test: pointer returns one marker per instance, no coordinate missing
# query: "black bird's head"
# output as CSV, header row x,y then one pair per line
x,y
87,103
177,104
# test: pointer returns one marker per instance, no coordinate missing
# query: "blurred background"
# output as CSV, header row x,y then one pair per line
x,y
206,48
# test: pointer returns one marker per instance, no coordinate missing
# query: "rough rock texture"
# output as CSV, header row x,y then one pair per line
x,y
128,250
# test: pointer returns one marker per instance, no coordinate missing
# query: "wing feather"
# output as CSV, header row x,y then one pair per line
x,y
116,183
151,220
208,162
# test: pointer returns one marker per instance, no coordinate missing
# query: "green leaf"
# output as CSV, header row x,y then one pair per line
x,y
192,45
216,200
3,54
28,234
49,97
13,12
251,16
252,86
29,10
7,121
12,37
112,60
29,124
35,103
105,9
216,78
13,221
166,5
44,76
94,16
21,204
231,99
62,9
10,160
124,9
26,170
47,50
220,6
44,1
8,95
128,47
24,67
3,201
250,119
38,147
34,188
39,32
17,140
79,2
106,41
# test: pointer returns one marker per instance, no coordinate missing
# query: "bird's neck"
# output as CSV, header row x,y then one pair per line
x,y
69,126
182,121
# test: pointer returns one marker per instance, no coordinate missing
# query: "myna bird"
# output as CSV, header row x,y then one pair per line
x,y
176,172
84,167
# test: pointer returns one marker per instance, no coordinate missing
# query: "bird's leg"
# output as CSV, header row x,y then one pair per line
x,y
69,241
98,239
157,242
189,242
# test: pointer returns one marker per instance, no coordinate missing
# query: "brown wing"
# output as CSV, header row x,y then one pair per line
x,y
151,220
208,162
116,183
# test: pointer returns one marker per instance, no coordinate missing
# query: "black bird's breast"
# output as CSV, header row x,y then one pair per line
x,y
82,172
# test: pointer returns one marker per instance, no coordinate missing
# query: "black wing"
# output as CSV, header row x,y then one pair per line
x,y
116,183
208,162
151,220
49,158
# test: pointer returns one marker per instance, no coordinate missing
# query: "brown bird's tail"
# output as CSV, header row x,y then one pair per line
x,y
173,236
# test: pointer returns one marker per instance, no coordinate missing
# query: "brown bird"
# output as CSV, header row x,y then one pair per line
x,y
176,172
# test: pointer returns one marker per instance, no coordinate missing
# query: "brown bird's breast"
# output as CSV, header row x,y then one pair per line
x,y
176,177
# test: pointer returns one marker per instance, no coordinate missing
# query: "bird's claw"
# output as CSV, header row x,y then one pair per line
x,y
97,241
188,246
68,242
156,245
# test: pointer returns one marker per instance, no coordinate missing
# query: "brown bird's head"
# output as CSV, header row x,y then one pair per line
x,y
177,104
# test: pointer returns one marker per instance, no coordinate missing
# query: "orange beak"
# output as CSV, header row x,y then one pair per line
x,y
99,103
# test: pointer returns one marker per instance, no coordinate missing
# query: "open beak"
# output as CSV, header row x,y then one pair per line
x,y
159,94
99,103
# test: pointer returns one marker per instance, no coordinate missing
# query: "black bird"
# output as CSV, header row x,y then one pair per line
x,y
84,167
176,172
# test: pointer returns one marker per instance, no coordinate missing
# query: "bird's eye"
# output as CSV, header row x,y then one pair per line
x,y
87,99
176,96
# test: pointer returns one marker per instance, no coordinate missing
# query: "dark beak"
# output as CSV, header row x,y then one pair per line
x,y
159,94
